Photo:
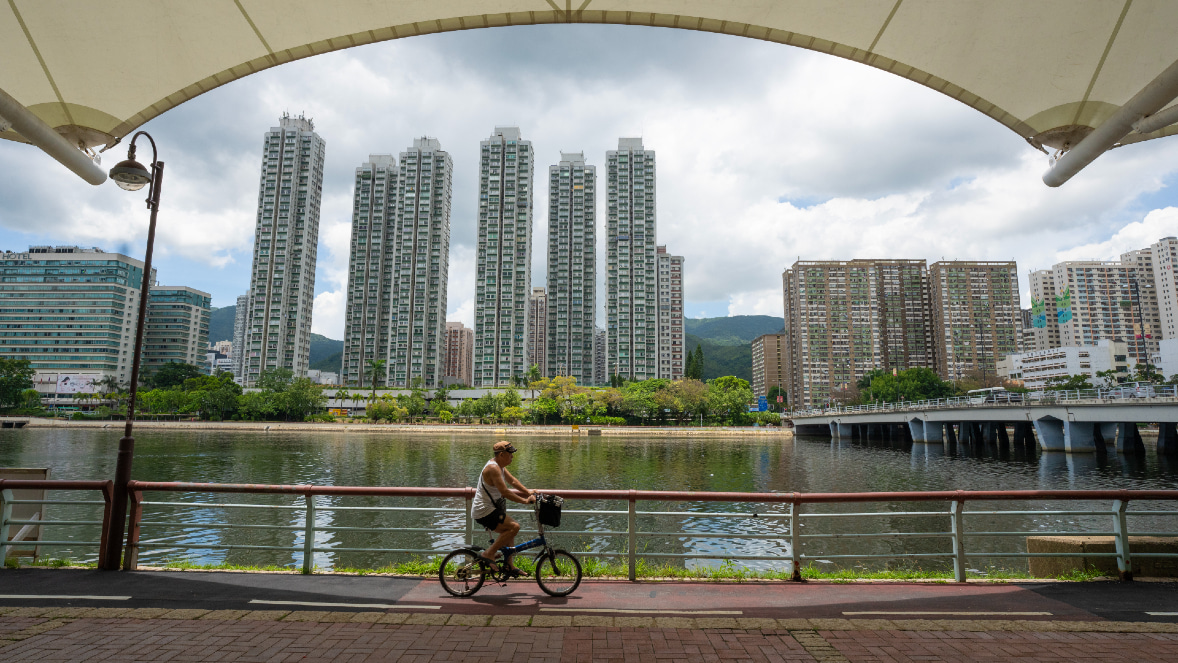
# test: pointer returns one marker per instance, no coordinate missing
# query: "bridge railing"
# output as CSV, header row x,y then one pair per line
x,y
1144,394
787,529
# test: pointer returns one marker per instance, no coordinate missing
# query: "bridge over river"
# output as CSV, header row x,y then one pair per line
x,y
1086,421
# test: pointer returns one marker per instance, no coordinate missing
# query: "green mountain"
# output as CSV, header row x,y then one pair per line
x,y
325,352
727,342
221,324
720,360
734,330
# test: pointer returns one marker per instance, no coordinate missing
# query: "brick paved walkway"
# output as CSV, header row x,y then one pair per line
x,y
45,635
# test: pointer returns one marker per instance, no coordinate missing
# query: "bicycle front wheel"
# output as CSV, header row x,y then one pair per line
x,y
558,573
461,573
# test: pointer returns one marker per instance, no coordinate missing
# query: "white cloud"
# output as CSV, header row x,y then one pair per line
x,y
765,154
1157,224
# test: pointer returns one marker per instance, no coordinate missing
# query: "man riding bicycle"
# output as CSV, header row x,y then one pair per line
x,y
490,509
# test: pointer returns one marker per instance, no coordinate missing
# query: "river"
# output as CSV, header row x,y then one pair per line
x,y
752,464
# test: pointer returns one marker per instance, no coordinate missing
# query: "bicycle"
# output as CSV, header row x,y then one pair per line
x,y
558,573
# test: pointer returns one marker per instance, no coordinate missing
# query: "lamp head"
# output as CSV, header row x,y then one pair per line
x,y
130,174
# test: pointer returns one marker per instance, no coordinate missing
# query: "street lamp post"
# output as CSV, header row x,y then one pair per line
x,y
132,176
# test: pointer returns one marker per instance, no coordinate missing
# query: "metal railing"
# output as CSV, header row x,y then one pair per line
x,y
7,522
782,521
1120,395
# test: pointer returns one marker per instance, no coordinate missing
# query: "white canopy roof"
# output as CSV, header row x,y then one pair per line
x,y
1050,70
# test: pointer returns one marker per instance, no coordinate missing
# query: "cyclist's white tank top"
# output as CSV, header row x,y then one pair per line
x,y
482,504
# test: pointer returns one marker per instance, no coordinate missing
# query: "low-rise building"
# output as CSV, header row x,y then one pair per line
x,y
1034,369
1166,359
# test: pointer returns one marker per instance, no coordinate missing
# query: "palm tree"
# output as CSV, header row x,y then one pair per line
x,y
375,366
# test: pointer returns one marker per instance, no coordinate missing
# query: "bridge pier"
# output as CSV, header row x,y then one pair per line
x,y
1167,439
1003,438
951,437
840,430
916,429
1050,433
933,431
1024,436
1129,440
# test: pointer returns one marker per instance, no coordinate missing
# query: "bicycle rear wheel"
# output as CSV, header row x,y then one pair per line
x,y
558,574
461,573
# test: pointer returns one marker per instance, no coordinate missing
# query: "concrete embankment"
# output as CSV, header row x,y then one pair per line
x,y
416,429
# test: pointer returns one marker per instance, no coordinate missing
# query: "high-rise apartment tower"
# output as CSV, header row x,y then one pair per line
x,y
977,319
671,329
420,263
572,267
241,318
845,319
503,273
459,353
631,302
538,330
370,271
286,239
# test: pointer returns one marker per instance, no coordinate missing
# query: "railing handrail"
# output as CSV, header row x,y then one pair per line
x,y
1017,399
54,484
668,495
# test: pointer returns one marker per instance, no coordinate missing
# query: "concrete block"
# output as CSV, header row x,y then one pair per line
x,y
1145,567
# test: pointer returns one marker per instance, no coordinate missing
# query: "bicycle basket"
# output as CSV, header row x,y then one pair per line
x,y
550,506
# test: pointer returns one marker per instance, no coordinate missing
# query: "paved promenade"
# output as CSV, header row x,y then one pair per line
x,y
69,615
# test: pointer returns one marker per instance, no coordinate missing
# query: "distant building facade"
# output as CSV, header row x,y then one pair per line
x,y
286,242
177,328
241,317
847,318
1034,369
503,269
538,330
770,354
70,311
631,268
600,370
459,354
977,318
670,314
572,268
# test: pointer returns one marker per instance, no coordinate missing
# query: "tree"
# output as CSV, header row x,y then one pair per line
x,y
275,379
16,375
1147,372
1108,379
694,366
913,384
301,398
692,396
375,368
171,374
730,396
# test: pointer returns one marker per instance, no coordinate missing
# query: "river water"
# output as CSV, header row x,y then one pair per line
x,y
747,464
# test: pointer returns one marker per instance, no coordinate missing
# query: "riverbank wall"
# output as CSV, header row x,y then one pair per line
x,y
418,429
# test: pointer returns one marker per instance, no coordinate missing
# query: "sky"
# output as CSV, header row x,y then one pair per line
x,y
766,154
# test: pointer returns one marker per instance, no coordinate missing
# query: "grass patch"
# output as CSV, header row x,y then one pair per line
x,y
185,565
1083,575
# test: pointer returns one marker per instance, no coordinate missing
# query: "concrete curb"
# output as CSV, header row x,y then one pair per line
x,y
59,616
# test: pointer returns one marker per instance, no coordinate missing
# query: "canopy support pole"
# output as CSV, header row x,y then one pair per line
x,y
1159,92
37,132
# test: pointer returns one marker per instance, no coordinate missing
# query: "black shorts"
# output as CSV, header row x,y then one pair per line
x,y
492,520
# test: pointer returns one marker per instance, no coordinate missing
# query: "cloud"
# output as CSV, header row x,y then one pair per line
x,y
766,153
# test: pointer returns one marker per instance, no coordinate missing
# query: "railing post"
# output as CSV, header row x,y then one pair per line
x,y
469,521
1121,530
632,539
309,536
958,529
5,515
108,494
795,544
131,552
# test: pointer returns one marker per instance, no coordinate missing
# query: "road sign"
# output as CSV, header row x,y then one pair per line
x,y
762,404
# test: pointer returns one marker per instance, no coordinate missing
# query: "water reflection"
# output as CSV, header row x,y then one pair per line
x,y
754,464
